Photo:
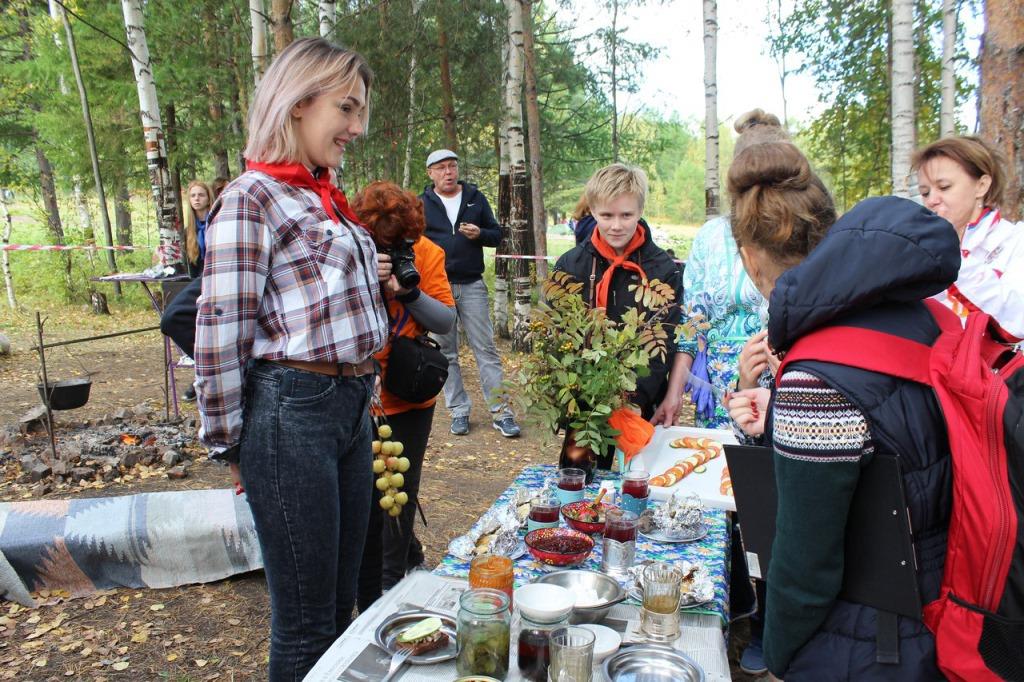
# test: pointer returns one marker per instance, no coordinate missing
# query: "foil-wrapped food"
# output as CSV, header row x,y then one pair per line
x,y
497,531
682,515
695,586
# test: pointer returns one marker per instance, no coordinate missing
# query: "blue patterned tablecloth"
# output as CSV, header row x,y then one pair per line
x,y
712,551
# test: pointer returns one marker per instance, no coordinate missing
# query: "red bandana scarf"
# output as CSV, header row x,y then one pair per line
x,y
299,176
615,261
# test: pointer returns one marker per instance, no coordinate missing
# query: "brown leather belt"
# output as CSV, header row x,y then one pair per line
x,y
333,369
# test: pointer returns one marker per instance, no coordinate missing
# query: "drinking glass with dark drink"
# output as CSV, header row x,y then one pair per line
x,y
543,513
636,490
570,485
619,544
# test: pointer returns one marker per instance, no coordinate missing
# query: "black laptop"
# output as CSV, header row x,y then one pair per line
x,y
881,566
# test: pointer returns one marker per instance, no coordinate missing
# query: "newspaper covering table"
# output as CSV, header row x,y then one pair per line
x,y
355,657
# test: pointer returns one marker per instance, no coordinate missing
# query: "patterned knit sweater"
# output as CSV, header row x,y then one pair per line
x,y
821,441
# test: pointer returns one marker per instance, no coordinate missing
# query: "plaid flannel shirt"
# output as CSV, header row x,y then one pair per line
x,y
281,281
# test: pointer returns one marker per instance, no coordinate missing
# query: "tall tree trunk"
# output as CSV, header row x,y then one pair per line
x,y
153,133
328,16
501,265
123,215
410,119
91,139
281,17
947,111
6,260
614,35
519,188
258,49
451,135
1002,94
711,183
540,216
783,68
52,208
172,151
903,133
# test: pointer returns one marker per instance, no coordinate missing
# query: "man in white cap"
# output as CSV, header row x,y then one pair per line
x,y
461,222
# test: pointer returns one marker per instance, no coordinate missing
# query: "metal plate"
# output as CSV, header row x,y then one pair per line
x,y
518,551
393,626
651,663
657,535
637,594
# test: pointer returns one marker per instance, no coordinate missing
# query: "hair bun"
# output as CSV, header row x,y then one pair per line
x,y
777,165
756,117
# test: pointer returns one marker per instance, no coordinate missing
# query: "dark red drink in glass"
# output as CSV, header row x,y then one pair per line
x,y
638,488
620,533
534,655
544,511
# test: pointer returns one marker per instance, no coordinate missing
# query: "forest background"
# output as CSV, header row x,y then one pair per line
x,y
444,77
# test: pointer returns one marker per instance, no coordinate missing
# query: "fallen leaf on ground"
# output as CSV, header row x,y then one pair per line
x,y
156,607
199,662
120,665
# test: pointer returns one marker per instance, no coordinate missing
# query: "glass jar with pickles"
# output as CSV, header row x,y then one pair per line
x,y
483,633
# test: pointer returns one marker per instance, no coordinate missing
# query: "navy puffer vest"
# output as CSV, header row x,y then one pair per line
x,y
871,271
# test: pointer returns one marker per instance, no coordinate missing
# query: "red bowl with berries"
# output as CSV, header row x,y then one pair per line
x,y
559,546
584,517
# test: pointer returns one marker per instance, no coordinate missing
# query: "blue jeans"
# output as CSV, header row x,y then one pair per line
x,y
306,467
475,317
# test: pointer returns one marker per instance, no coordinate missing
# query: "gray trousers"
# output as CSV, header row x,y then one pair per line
x,y
473,310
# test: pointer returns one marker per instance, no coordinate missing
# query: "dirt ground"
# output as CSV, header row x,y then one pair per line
x,y
217,631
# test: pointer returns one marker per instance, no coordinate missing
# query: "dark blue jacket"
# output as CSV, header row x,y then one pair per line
x,y
871,271
463,257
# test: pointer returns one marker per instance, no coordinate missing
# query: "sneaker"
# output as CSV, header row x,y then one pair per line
x,y
507,426
752,660
189,396
460,426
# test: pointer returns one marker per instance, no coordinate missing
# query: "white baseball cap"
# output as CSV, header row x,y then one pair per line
x,y
439,155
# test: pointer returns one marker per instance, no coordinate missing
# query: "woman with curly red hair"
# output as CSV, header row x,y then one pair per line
x,y
395,217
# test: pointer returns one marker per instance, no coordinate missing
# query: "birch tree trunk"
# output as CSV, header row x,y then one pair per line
x,y
172,151
947,110
615,79
328,16
84,217
519,189
258,49
410,119
711,182
8,279
153,134
540,216
451,135
91,139
281,18
903,134
501,265
1002,94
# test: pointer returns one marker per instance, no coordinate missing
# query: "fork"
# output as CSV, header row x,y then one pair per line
x,y
397,661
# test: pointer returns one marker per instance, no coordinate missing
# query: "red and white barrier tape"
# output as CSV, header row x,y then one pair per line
x,y
67,247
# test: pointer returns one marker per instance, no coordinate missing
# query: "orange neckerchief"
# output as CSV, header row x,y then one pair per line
x,y
298,175
615,261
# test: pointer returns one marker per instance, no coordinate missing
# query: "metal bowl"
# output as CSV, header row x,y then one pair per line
x,y
651,663
606,587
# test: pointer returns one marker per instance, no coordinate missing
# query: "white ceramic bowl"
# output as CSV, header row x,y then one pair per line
x,y
544,603
606,641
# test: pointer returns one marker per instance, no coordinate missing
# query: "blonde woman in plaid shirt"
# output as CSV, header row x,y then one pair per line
x,y
289,319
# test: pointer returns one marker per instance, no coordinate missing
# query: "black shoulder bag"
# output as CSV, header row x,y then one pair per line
x,y
417,369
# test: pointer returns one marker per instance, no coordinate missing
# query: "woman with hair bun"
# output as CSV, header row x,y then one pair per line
x,y
868,269
290,317
962,179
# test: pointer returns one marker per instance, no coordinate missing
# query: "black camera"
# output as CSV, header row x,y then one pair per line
x,y
403,263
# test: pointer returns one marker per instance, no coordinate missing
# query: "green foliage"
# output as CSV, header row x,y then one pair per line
x,y
582,365
845,47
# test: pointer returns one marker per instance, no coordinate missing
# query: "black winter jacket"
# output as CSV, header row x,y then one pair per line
x,y
581,260
463,257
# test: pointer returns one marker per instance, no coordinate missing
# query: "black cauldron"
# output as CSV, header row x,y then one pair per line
x,y
68,394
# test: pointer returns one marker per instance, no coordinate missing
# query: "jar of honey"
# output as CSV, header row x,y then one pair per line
x,y
493,571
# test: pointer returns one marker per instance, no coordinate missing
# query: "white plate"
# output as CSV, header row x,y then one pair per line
x,y
661,536
658,456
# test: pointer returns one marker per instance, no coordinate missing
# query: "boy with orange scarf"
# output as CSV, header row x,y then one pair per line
x,y
621,252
